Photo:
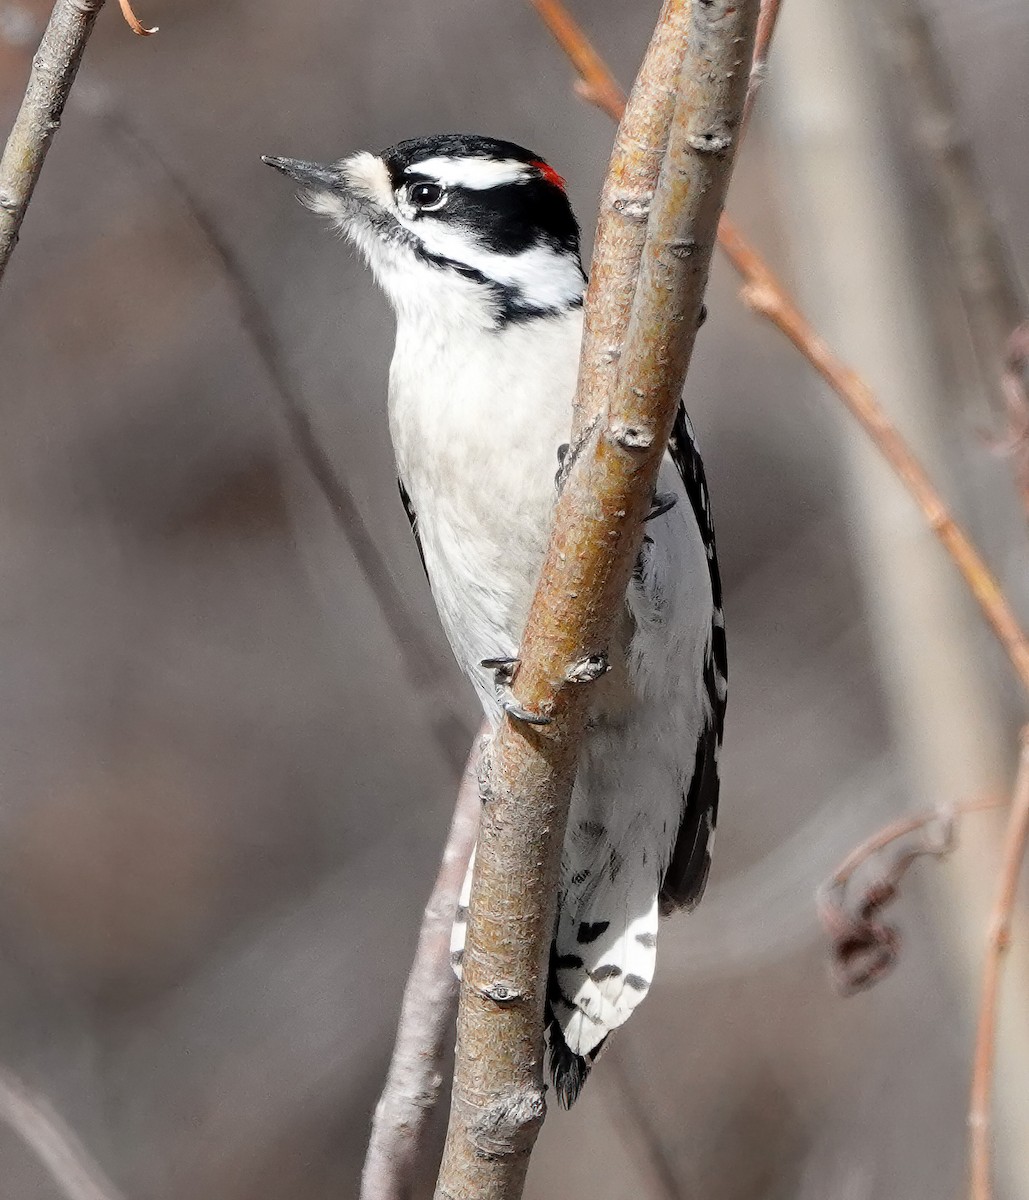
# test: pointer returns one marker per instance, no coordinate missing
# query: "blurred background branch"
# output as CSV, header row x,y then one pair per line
x,y
980,1110
70,1165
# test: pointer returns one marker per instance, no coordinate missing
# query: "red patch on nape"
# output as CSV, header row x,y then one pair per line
x,y
549,174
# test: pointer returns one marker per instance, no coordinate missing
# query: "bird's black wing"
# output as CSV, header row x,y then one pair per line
x,y
686,876
412,516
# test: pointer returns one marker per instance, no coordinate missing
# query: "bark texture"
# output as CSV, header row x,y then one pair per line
x,y
53,72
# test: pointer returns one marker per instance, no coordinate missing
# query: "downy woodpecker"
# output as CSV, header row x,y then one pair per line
x,y
474,242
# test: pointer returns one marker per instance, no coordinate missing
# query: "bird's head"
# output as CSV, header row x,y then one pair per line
x,y
454,223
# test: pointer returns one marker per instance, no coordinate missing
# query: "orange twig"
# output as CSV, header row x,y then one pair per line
x,y
134,22
766,295
596,83
864,947
1015,840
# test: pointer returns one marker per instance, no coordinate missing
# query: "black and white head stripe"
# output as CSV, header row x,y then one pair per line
x,y
496,213
482,211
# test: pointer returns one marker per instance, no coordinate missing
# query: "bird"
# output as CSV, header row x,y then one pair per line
x,y
475,244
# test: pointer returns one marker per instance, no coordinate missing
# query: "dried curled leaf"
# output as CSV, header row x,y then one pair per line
x,y
864,946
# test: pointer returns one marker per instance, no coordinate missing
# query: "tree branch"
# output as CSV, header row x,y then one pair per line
x,y
54,67
1015,839
766,295
498,1100
415,1077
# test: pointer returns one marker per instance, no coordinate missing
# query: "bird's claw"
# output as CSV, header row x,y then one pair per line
x,y
517,713
503,669
662,502
503,674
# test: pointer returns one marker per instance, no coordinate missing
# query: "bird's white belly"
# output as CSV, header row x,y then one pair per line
x,y
479,463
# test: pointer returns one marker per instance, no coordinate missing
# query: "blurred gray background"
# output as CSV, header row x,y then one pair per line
x,y
226,767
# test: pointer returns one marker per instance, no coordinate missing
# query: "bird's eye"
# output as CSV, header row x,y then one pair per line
x,y
427,195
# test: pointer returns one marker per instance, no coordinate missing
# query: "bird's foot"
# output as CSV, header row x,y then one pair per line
x,y
662,502
504,670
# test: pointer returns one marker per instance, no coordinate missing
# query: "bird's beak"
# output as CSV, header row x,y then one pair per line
x,y
311,175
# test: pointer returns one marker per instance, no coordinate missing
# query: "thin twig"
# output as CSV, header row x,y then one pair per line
x,y
864,947
498,1099
54,66
979,1115
598,84
762,46
52,1140
415,1077
767,296
133,22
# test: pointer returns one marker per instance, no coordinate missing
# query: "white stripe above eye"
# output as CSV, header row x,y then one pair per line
x,y
475,173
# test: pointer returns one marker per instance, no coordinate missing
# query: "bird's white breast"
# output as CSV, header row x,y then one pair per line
x,y
476,419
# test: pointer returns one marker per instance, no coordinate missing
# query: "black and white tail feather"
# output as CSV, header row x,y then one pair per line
x,y
475,244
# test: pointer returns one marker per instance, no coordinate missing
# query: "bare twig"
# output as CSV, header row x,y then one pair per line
x,y
597,85
1015,839
762,45
865,948
51,1139
54,67
415,1077
766,295
134,22
498,1101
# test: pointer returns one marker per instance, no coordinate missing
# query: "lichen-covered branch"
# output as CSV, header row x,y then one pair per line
x,y
54,66
498,1099
415,1077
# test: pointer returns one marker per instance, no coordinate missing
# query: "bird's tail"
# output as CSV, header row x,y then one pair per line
x,y
601,966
